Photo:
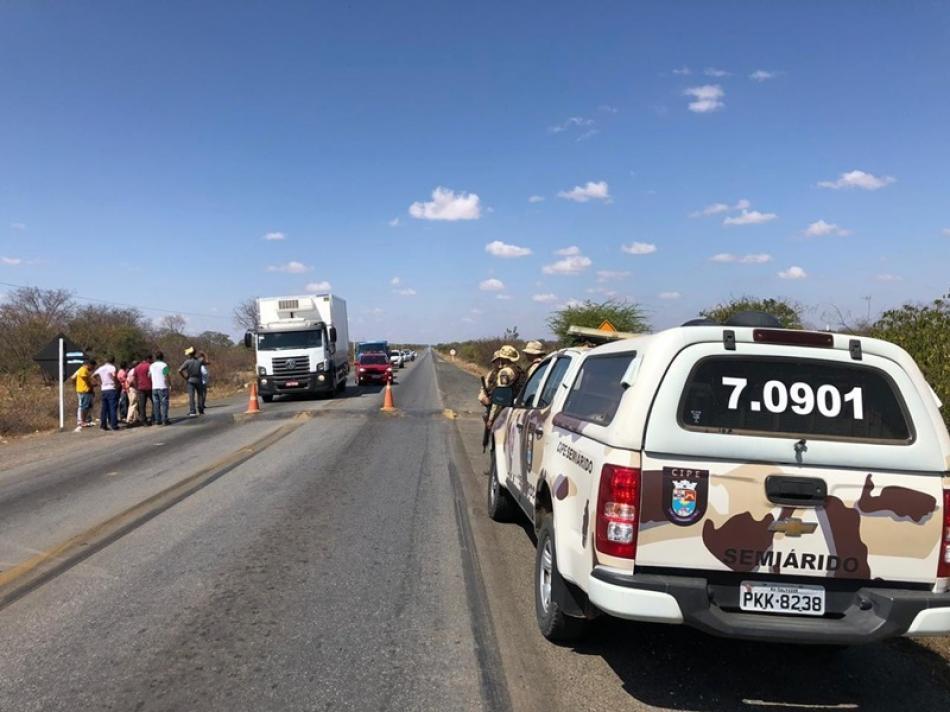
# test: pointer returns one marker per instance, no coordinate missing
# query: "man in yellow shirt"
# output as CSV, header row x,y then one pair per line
x,y
84,386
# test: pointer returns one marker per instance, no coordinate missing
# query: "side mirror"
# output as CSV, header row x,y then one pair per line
x,y
248,340
503,396
333,334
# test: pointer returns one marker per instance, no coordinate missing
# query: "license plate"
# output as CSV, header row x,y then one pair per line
x,y
292,383
796,600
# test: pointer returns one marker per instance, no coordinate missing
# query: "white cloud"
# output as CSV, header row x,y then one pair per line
x,y
605,275
501,249
857,179
323,286
292,267
503,297
573,303
714,72
639,248
545,298
405,292
575,264
491,285
682,72
707,97
568,251
12,261
536,199
712,209
394,222
750,217
887,277
572,122
274,236
590,133
467,320
592,191
946,231
743,204
608,109
395,281
17,226
762,75
793,272
752,259
447,205
820,228
669,295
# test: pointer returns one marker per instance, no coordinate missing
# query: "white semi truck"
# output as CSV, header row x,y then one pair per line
x,y
301,345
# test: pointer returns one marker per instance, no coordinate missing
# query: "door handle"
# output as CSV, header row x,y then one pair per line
x,y
796,491
520,426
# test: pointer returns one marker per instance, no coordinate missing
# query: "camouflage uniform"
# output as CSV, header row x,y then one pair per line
x,y
535,351
504,372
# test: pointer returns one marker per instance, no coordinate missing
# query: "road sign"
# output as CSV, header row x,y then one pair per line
x,y
48,358
605,325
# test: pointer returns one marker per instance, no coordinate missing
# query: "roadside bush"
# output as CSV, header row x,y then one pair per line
x,y
625,316
789,313
924,332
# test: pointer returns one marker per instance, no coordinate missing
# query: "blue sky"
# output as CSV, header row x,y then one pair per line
x,y
146,150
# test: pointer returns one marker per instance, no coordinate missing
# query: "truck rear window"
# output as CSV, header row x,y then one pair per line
x,y
793,397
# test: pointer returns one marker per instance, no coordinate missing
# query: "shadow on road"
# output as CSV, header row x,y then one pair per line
x,y
679,668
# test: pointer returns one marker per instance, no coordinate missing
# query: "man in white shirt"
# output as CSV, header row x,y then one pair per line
x,y
105,377
158,371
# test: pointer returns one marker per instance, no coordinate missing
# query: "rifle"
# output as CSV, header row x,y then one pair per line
x,y
486,435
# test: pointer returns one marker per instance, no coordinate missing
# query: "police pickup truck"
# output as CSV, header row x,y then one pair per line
x,y
747,480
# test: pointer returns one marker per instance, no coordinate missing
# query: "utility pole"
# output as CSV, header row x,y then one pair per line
x,y
868,300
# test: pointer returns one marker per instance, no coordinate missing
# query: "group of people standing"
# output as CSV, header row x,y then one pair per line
x,y
506,370
126,391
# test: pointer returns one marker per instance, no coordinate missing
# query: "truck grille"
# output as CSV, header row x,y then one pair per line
x,y
291,367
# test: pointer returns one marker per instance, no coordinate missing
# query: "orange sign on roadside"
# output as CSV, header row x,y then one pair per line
x,y
605,325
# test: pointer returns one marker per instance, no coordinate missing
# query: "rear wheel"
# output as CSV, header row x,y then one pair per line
x,y
555,625
501,505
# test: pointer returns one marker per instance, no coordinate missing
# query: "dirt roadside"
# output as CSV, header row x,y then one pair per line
x,y
625,665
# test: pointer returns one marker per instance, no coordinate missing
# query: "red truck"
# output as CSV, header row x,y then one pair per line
x,y
373,367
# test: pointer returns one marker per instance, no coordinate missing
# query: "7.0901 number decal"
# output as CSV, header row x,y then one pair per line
x,y
800,397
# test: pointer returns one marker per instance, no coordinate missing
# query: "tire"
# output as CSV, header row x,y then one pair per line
x,y
499,502
267,399
554,624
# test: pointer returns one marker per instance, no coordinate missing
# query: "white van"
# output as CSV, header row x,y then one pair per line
x,y
747,480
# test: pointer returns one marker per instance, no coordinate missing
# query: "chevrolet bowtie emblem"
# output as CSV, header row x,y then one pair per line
x,y
793,526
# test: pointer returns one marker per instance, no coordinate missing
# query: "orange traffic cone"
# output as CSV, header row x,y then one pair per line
x,y
252,405
388,397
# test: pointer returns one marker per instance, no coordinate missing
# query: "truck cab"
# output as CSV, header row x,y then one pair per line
x,y
301,345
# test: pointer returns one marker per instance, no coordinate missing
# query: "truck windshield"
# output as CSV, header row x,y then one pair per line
x,y
289,340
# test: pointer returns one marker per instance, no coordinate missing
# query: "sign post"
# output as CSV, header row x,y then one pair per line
x,y
62,378
60,359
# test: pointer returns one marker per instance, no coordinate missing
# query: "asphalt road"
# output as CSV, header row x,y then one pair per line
x,y
338,558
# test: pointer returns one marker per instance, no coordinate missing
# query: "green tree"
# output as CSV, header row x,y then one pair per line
x,y
789,313
924,332
625,316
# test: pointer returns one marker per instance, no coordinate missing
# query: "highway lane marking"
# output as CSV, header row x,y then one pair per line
x,y
19,580
802,706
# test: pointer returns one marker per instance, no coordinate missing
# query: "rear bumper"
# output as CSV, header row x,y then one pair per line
x,y
866,615
272,386
381,376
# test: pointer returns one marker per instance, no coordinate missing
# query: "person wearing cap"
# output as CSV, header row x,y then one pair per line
x,y
505,371
534,350
190,370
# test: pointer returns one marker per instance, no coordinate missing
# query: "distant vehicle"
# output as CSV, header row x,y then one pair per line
x,y
750,481
371,347
407,355
396,359
373,367
301,345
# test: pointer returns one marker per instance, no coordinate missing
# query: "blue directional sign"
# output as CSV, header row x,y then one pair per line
x,y
48,358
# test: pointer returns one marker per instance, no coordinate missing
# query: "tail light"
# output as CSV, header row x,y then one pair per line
x,y
618,511
943,564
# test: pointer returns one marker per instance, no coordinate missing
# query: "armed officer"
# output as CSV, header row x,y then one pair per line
x,y
534,350
505,371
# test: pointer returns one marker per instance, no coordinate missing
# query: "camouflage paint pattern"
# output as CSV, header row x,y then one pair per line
x,y
870,526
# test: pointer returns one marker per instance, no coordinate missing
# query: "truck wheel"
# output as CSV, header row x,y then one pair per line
x,y
554,624
267,399
501,505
